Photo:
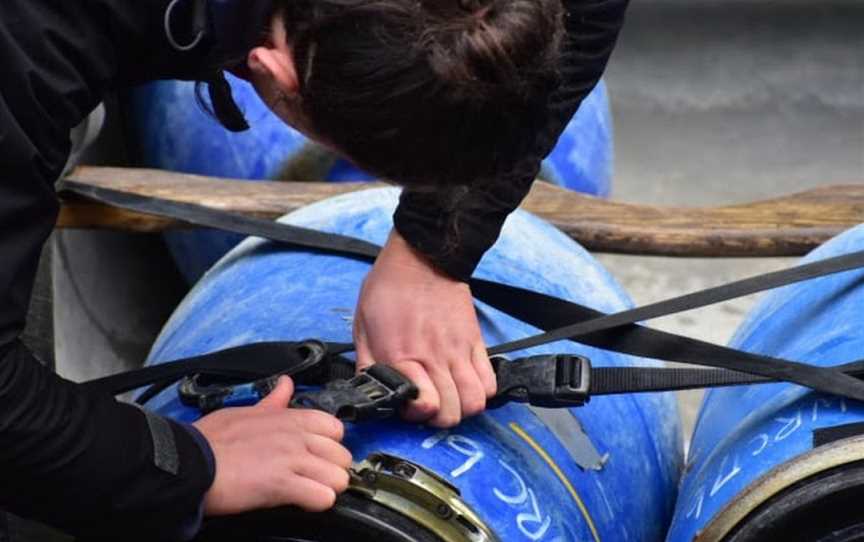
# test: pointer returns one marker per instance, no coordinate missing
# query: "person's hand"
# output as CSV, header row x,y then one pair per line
x,y
270,455
423,324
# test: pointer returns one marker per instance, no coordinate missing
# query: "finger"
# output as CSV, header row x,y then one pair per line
x,y
481,363
450,412
317,422
428,401
329,450
365,359
324,472
308,494
472,396
281,395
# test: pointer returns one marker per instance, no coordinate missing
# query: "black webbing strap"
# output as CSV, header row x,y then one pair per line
x,y
546,312
702,298
245,362
610,380
616,380
616,332
199,215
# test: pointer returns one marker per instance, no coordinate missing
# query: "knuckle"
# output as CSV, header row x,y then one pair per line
x,y
341,482
426,407
447,420
337,428
474,405
491,388
307,419
280,482
309,444
323,499
347,459
325,422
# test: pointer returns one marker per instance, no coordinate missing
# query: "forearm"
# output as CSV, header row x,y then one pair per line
x,y
454,229
71,458
90,465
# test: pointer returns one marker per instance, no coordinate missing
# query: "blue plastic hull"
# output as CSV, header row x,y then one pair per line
x,y
169,130
747,436
512,468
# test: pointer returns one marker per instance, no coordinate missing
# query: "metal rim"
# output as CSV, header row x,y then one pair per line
x,y
353,518
782,477
389,500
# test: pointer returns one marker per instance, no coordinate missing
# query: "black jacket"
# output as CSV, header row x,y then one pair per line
x,y
85,462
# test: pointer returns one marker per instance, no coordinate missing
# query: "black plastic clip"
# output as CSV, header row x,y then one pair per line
x,y
560,380
375,394
196,392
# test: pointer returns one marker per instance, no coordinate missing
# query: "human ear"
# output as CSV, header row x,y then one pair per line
x,y
276,64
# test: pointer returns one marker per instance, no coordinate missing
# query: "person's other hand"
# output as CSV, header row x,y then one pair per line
x,y
270,455
423,324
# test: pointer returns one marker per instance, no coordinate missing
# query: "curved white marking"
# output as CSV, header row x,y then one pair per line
x,y
720,482
517,499
432,441
790,426
468,447
696,506
765,440
534,517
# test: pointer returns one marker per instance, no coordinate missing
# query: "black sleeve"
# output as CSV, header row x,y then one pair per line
x,y
455,229
77,460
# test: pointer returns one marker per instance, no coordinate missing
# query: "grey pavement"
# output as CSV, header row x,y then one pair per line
x,y
721,102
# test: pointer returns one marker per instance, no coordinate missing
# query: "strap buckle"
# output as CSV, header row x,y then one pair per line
x,y
553,381
375,394
194,391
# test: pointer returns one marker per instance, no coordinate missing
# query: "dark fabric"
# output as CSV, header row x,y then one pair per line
x,y
39,333
88,464
22,530
77,460
455,230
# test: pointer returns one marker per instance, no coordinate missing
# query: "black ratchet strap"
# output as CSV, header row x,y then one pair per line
x,y
243,363
617,332
567,380
376,393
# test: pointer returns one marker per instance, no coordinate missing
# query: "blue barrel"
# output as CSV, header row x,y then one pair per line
x,y
169,130
773,462
607,471
583,158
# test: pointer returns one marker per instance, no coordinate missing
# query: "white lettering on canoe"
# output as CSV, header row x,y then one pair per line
x,y
722,479
512,500
790,425
535,517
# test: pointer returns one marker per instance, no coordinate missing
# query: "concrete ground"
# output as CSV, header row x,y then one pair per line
x,y
720,102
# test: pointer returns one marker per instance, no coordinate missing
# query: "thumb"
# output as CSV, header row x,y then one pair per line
x,y
281,394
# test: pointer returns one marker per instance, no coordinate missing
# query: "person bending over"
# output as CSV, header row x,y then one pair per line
x,y
457,100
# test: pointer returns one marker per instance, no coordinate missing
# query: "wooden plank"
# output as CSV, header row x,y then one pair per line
x,y
784,226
